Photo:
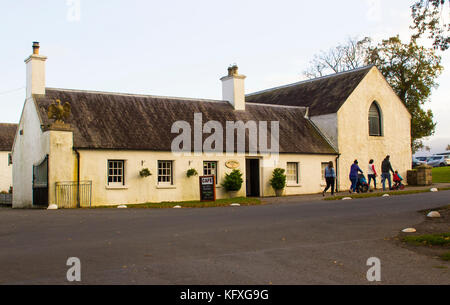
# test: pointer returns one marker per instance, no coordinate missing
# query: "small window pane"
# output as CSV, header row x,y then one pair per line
x,y
115,171
292,173
165,172
210,169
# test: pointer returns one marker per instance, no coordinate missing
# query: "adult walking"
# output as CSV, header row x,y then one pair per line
x,y
354,170
386,169
372,174
330,177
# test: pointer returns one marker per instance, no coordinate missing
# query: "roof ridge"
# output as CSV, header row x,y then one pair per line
x,y
12,124
277,105
311,80
140,95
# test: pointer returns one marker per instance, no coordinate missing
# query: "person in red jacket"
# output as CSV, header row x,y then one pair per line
x,y
372,174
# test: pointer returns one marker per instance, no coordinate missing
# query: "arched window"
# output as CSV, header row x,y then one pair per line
x,y
375,120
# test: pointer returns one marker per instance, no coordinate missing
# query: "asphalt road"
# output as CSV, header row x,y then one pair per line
x,y
326,242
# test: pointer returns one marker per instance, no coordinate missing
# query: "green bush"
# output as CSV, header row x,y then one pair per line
x,y
145,172
233,181
278,180
191,172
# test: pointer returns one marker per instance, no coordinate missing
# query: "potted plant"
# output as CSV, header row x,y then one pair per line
x,y
278,181
145,172
191,172
233,182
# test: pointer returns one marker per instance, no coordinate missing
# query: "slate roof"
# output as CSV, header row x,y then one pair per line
x,y
7,134
322,95
140,122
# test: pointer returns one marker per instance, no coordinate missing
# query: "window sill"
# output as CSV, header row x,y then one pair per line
x,y
162,186
293,185
116,187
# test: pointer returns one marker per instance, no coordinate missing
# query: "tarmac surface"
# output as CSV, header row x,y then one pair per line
x,y
304,242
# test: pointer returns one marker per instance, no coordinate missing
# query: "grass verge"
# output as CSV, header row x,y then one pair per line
x,y
439,239
192,204
379,194
446,256
441,174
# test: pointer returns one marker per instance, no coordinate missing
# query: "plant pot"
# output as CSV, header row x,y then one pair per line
x,y
279,193
232,194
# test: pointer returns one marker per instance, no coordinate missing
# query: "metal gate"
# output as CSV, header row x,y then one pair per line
x,y
40,183
71,194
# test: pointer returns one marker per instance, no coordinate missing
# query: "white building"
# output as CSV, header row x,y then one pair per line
x,y
7,133
110,137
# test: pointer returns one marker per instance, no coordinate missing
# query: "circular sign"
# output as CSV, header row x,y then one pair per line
x,y
233,164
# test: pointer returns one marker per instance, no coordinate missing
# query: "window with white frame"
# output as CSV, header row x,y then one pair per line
x,y
165,172
292,173
210,169
116,172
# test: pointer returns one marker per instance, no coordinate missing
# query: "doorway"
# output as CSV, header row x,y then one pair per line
x,y
40,183
252,177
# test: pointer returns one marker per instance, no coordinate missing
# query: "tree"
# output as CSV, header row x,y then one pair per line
x,y
411,70
347,56
429,16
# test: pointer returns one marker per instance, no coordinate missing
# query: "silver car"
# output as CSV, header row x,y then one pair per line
x,y
436,161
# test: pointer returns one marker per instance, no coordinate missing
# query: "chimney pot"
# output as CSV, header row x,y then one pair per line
x,y
35,47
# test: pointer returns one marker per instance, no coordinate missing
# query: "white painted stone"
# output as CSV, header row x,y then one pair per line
x,y
52,207
177,207
386,195
347,198
235,205
409,230
122,206
433,189
434,214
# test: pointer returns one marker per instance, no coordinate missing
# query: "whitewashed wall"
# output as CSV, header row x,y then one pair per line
x,y
353,129
140,190
28,149
5,172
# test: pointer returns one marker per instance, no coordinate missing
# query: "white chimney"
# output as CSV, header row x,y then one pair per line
x,y
35,72
233,89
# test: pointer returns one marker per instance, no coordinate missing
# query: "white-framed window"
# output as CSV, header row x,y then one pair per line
x,y
324,166
210,169
292,173
116,172
165,172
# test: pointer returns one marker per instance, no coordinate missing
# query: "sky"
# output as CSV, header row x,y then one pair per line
x,y
182,48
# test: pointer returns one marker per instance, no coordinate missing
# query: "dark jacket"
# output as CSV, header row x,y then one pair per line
x,y
354,171
386,166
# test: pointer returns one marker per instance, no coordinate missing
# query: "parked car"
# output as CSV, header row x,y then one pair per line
x,y
436,161
417,161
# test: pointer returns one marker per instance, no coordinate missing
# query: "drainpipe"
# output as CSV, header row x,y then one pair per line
x,y
78,177
337,173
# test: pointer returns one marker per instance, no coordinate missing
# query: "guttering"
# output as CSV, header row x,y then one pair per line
x,y
337,171
78,177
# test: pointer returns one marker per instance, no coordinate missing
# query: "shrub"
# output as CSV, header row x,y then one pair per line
x,y
278,180
233,181
191,172
145,172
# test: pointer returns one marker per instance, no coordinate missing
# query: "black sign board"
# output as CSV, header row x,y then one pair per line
x,y
207,188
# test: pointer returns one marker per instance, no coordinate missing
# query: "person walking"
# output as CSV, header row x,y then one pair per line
x,y
372,174
330,177
354,170
386,169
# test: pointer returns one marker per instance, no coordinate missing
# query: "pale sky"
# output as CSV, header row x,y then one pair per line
x,y
182,48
